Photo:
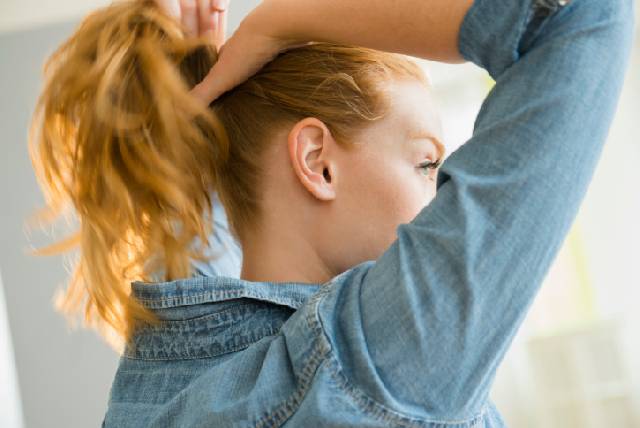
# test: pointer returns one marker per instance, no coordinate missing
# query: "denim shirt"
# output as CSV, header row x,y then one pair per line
x,y
414,338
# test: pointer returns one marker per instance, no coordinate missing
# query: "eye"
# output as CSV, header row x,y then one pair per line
x,y
426,166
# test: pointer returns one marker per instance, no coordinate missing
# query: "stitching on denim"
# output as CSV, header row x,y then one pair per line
x,y
315,357
283,411
149,292
372,407
138,350
230,314
224,315
367,404
155,302
322,351
201,352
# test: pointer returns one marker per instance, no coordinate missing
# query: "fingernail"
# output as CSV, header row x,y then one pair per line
x,y
219,5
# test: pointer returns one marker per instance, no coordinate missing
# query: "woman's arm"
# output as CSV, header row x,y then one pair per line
x,y
426,29
423,329
422,28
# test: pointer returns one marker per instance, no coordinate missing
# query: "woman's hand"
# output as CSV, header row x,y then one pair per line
x,y
200,17
428,30
240,57
250,47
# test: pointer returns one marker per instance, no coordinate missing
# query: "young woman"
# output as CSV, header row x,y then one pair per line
x,y
364,299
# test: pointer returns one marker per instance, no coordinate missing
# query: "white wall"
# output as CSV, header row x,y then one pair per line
x,y
10,405
18,15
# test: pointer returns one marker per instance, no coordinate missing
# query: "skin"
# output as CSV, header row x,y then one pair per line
x,y
348,203
207,18
422,28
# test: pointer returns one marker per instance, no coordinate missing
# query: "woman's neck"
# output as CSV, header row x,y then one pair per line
x,y
285,256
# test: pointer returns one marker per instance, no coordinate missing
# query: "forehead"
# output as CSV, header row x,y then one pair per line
x,y
411,122
413,109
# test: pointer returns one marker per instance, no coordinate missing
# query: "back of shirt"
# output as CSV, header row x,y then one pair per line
x,y
415,337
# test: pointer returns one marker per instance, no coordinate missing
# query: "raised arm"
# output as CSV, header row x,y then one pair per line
x,y
426,29
423,329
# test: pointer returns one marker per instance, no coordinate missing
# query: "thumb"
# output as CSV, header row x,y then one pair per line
x,y
223,76
240,58
235,64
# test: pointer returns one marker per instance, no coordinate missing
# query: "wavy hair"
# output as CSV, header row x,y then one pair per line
x,y
117,137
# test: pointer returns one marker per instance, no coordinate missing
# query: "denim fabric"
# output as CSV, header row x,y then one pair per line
x,y
414,338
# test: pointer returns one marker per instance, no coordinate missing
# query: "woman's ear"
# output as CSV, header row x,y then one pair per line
x,y
310,146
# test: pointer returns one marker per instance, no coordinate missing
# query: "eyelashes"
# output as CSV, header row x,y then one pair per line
x,y
425,166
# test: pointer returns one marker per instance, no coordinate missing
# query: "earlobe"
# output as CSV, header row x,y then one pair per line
x,y
309,143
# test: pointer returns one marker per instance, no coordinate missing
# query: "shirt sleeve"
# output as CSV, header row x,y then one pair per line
x,y
423,328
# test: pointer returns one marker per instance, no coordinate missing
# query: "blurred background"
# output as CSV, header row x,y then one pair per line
x,y
574,363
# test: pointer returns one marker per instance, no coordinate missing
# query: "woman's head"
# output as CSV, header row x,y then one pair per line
x,y
322,145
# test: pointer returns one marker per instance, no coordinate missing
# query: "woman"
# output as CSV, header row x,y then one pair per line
x,y
363,299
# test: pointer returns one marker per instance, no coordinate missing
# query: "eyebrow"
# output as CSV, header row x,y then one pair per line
x,y
426,136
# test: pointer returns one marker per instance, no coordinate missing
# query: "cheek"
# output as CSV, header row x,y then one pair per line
x,y
409,204
394,196
406,192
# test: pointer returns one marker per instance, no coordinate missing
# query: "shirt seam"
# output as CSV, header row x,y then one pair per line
x,y
193,355
207,296
367,403
387,414
314,357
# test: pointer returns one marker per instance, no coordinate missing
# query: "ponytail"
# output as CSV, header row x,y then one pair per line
x,y
116,134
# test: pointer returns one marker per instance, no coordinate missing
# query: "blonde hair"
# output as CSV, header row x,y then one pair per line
x,y
117,136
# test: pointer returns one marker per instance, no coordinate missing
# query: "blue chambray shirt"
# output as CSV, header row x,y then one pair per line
x,y
414,338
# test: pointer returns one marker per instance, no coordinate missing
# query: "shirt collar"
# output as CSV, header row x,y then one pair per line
x,y
203,289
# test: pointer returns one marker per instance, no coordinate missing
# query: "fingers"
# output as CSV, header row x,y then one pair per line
x,y
219,5
220,28
217,82
212,19
213,27
199,17
211,86
189,11
204,15
218,21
